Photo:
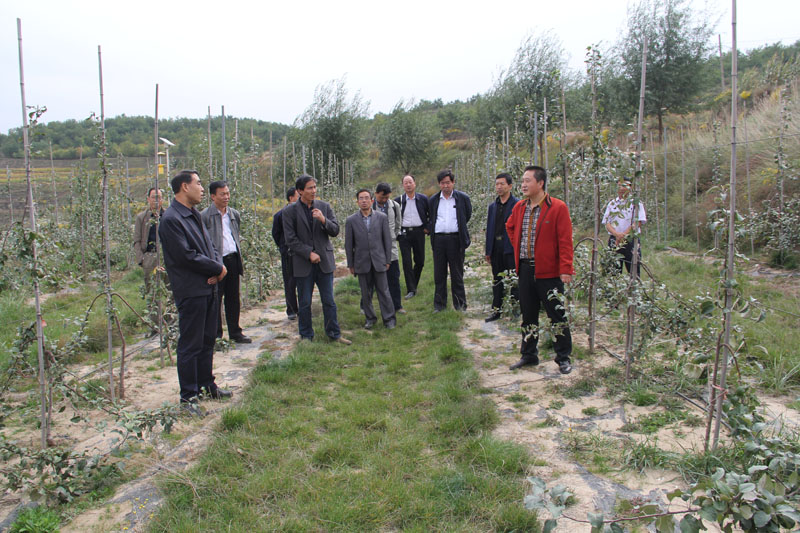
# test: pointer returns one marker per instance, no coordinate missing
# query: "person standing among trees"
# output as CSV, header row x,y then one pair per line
x,y
289,285
194,269
540,231
392,210
499,252
450,213
223,223
368,247
308,225
144,247
618,218
414,210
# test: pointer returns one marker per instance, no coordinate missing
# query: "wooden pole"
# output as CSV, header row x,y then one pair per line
x,y
284,162
595,207
43,394
544,142
655,189
271,177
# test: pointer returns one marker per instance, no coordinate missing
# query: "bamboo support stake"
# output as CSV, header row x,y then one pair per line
x,y
595,207
210,157
633,278
43,388
564,145
284,162
747,177
655,190
10,200
666,194
730,266
107,244
683,186
156,286
53,180
224,149
544,127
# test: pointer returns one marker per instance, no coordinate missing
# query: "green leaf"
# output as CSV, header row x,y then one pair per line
x,y
761,519
706,308
665,524
718,474
747,487
690,524
549,525
616,528
596,520
746,511
677,493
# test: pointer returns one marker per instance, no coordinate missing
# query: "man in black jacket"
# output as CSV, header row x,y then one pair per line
x,y
499,252
415,214
450,211
289,285
194,269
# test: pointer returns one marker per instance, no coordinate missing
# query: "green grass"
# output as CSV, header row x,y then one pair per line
x,y
390,433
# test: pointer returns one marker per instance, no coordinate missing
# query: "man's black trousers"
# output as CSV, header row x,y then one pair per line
x,y
501,263
533,295
626,251
289,284
412,240
229,290
197,324
448,254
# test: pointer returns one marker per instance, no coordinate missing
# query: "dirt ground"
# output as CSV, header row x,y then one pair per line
x,y
537,422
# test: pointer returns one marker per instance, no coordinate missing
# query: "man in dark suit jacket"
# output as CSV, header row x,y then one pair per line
x,y
415,215
499,252
194,269
450,211
289,285
308,225
368,247
222,223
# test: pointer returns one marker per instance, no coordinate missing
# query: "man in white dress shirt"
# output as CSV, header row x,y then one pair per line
x,y
223,223
620,221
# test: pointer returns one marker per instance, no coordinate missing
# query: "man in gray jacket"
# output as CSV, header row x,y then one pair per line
x,y
391,209
223,223
308,225
368,246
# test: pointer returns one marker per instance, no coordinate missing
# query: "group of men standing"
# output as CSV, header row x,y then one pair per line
x,y
531,236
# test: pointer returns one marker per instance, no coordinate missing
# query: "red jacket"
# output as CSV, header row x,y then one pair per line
x,y
552,248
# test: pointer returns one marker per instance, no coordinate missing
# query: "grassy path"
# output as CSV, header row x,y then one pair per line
x,y
390,433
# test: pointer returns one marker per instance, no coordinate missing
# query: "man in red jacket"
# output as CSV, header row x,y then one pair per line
x,y
540,231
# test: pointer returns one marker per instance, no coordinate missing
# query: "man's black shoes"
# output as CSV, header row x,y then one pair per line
x,y
242,339
292,316
524,362
411,294
369,324
217,394
494,316
564,368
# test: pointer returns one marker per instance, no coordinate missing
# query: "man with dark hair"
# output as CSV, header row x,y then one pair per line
x,y
540,231
308,225
194,270
450,211
368,247
499,252
619,221
393,212
144,246
415,224
289,285
222,223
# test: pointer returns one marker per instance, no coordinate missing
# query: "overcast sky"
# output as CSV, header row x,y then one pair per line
x,y
264,60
